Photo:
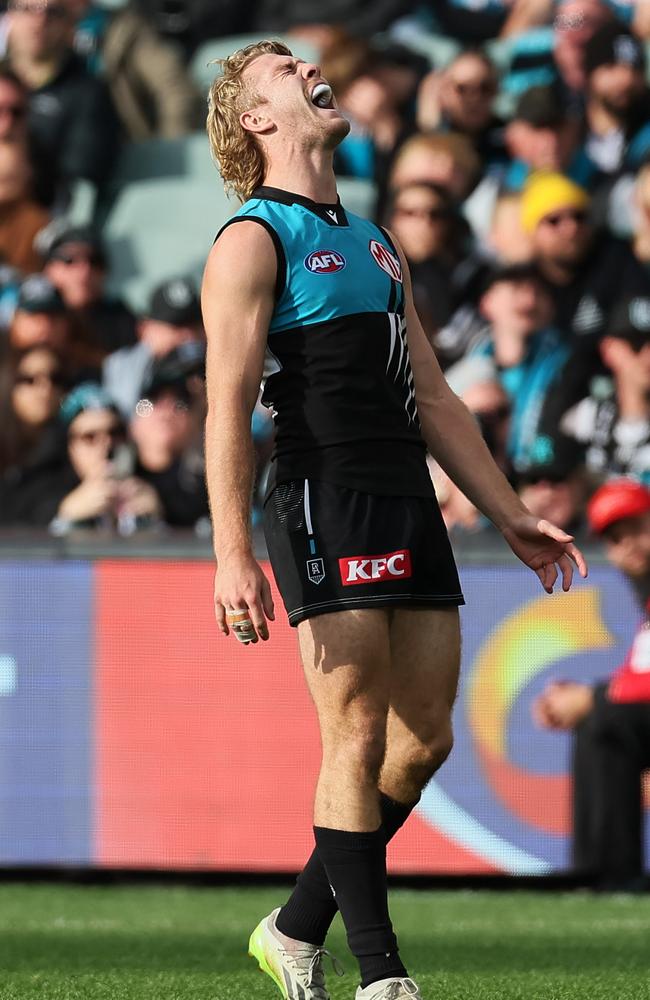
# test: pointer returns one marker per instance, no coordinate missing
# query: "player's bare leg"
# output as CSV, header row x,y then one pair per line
x,y
425,648
346,658
425,653
347,662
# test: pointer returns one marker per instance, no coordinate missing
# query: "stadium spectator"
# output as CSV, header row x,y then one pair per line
x,y
41,318
506,241
356,17
610,721
459,99
557,57
613,422
32,382
13,107
97,488
575,22
641,215
478,386
433,236
470,22
188,23
446,159
21,218
76,263
166,430
586,271
366,91
617,105
543,136
71,120
173,318
555,486
513,331
149,84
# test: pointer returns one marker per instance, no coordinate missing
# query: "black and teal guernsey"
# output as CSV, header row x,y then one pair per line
x,y
341,387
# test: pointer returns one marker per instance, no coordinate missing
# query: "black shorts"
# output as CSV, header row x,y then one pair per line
x,y
335,549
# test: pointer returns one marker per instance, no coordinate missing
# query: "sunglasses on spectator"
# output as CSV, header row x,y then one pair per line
x,y
16,111
484,88
575,215
116,433
53,12
432,214
535,478
494,416
94,259
54,378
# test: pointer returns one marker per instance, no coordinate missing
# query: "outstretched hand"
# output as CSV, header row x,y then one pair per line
x,y
546,549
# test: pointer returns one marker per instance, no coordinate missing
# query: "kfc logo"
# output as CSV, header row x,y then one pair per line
x,y
387,261
324,261
374,569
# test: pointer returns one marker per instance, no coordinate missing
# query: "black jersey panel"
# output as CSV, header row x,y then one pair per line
x,y
344,405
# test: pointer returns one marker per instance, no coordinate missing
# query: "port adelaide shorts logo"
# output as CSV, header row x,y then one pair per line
x,y
324,261
315,570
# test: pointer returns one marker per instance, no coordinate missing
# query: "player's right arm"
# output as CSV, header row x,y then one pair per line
x,y
237,300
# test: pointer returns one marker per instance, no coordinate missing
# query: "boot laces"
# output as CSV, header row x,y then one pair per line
x,y
403,988
308,963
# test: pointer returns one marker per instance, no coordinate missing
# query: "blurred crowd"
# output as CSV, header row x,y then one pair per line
x,y
508,144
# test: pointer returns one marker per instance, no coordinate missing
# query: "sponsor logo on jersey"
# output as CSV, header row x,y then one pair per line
x,y
386,260
324,261
315,570
375,569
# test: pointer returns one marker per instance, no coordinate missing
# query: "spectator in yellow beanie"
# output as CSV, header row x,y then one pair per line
x,y
548,193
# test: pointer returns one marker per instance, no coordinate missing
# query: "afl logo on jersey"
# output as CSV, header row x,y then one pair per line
x,y
324,261
387,261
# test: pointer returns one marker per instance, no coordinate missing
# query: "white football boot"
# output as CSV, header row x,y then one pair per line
x,y
296,967
390,989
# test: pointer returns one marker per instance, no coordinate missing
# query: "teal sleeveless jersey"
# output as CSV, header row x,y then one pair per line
x,y
341,389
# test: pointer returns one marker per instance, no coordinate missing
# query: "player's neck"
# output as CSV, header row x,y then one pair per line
x,y
311,176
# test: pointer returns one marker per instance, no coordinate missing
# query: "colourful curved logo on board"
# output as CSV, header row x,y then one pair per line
x,y
527,642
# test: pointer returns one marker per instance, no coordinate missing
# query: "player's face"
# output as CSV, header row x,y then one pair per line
x,y
297,101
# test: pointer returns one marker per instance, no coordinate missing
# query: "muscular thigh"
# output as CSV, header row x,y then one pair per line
x,y
346,659
425,660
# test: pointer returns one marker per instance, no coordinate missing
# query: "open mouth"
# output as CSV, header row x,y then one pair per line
x,y
322,96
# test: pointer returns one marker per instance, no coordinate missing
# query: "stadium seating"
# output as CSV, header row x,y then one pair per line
x,y
163,207
357,195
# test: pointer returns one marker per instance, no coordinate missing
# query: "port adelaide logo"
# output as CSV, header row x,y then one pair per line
x,y
315,570
324,261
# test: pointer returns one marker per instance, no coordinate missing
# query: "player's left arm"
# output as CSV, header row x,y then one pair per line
x,y
453,437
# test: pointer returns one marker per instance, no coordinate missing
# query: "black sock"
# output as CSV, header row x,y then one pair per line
x,y
311,908
356,867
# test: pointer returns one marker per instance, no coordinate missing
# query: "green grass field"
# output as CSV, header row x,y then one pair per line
x,y
169,943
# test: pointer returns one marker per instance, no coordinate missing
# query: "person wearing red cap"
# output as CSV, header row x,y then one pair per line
x,y
611,720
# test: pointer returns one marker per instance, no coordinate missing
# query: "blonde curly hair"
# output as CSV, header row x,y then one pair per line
x,y
237,152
